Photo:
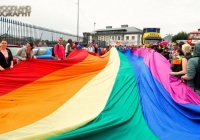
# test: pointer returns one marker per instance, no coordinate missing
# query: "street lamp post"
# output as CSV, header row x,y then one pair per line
x,y
52,31
41,36
169,37
94,26
6,34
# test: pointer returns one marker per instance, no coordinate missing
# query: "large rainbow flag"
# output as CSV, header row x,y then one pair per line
x,y
128,96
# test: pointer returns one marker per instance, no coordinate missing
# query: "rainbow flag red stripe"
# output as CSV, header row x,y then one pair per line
x,y
115,96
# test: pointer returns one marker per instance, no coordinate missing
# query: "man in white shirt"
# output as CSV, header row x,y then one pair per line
x,y
91,48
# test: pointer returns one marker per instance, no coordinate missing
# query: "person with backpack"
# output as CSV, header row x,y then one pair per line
x,y
179,63
193,70
58,51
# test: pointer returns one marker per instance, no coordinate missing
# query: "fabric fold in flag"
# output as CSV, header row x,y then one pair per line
x,y
166,117
124,96
47,94
122,116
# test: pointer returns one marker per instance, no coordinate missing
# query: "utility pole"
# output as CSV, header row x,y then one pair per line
x,y
52,39
41,36
169,40
6,34
78,22
169,37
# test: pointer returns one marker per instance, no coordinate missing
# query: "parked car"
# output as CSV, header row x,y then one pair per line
x,y
43,52
14,49
15,46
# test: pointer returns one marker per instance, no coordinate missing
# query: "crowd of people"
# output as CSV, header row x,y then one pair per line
x,y
188,68
6,57
184,59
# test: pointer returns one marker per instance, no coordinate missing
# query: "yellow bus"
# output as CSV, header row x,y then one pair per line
x,y
151,35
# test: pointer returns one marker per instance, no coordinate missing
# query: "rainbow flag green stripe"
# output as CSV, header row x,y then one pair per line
x,y
122,116
128,96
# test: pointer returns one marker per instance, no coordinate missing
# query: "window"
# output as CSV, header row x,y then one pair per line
x,y
127,37
133,38
194,36
41,51
118,38
102,38
113,38
35,51
107,38
150,41
14,50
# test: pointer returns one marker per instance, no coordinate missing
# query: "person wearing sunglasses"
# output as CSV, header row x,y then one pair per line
x,y
25,53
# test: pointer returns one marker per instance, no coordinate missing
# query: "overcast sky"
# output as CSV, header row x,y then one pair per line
x,y
172,16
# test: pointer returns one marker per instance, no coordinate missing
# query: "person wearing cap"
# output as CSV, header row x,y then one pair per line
x,y
25,53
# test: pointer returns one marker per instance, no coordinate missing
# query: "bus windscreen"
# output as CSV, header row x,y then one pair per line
x,y
152,41
194,35
151,29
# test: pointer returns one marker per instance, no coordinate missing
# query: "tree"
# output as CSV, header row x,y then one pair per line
x,y
180,36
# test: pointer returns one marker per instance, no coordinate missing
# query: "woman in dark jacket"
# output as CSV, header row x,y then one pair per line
x,y
6,58
165,53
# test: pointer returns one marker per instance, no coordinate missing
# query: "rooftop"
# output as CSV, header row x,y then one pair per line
x,y
128,29
123,27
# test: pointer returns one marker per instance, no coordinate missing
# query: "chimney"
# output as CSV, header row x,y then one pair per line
x,y
108,27
126,25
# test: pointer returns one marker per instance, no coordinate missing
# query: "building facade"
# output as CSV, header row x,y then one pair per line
x,y
124,33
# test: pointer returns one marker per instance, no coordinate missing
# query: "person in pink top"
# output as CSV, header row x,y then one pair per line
x,y
59,50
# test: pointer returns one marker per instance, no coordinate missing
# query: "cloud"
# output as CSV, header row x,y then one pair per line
x,y
169,15
67,30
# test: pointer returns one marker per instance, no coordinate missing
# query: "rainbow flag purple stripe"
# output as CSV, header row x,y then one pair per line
x,y
121,96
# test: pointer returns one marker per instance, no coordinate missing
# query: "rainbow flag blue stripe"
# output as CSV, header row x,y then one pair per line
x,y
122,96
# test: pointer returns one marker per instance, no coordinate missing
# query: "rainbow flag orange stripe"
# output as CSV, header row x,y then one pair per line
x,y
127,95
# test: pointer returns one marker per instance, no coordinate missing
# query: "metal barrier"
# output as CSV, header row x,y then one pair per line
x,y
19,33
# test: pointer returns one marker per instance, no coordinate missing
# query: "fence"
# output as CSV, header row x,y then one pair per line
x,y
19,33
